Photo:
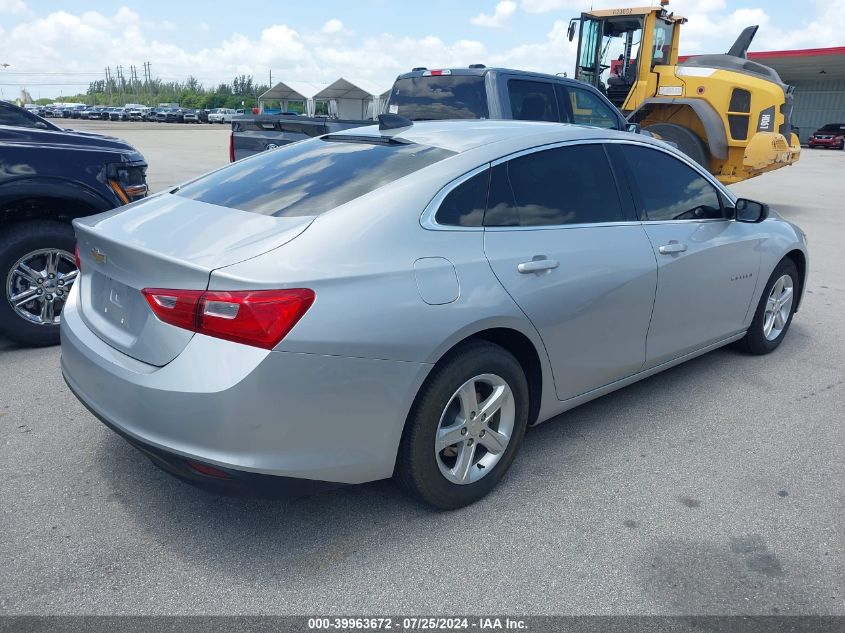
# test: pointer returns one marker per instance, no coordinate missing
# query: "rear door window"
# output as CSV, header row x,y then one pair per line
x,y
532,100
439,97
311,177
558,186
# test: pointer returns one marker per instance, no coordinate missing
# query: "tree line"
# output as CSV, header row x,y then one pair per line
x,y
243,91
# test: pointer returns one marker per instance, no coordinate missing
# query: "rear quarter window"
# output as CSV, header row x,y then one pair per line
x,y
310,177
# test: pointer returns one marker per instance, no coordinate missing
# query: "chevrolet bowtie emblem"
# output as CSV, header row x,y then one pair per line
x,y
98,255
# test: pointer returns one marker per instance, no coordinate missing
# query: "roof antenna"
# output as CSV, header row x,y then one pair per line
x,y
393,122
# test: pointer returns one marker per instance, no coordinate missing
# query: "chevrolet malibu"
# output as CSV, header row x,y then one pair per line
x,y
403,300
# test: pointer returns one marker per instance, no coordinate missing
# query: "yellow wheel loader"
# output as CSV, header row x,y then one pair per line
x,y
728,113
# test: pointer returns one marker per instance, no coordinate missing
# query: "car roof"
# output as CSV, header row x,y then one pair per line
x,y
464,135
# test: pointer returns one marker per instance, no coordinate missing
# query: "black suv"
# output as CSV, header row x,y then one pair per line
x,y
50,176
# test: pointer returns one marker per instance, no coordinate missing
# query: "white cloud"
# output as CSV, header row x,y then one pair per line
x,y
335,27
85,42
203,27
14,7
501,15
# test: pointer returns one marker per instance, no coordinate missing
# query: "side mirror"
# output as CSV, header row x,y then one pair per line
x,y
751,211
633,128
570,32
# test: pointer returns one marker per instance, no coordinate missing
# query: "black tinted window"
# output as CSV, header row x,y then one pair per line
x,y
590,109
670,189
10,115
532,100
441,97
566,185
464,206
310,177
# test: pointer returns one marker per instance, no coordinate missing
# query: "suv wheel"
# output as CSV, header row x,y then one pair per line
x,y
37,271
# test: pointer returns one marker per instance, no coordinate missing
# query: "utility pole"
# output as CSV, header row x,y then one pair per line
x,y
133,82
121,84
148,78
108,83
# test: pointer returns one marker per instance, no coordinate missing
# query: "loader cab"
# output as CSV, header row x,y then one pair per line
x,y
618,50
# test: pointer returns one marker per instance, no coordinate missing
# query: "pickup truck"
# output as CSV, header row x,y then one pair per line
x,y
476,92
51,176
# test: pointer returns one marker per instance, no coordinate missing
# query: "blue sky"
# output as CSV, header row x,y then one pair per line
x,y
372,39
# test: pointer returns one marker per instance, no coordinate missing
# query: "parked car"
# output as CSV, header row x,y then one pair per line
x,y
74,111
51,176
223,115
169,115
452,93
117,114
202,115
239,296
152,114
831,135
190,116
134,114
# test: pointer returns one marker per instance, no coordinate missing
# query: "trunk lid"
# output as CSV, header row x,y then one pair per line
x,y
163,242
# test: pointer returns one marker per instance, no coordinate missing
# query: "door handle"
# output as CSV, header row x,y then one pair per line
x,y
538,265
672,247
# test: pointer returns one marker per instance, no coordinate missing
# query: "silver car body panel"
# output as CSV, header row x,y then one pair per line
x,y
394,293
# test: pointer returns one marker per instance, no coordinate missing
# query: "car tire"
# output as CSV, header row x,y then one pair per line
x,y
687,141
17,243
458,474
774,312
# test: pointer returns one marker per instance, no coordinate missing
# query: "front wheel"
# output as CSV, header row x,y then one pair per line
x,y
37,268
465,427
775,310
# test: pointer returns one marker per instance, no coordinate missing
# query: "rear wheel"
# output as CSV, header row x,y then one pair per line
x,y
37,269
687,141
774,312
465,428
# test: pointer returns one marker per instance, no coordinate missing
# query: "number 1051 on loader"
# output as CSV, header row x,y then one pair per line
x,y
730,114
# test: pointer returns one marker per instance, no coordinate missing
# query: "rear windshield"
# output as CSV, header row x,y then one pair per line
x,y
442,97
311,177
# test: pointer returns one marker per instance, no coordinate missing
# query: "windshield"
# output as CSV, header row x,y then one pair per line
x,y
833,127
311,177
438,98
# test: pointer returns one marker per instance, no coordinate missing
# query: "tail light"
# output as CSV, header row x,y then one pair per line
x,y
260,318
232,147
76,257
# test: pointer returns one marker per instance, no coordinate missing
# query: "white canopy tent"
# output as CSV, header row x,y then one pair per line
x,y
356,99
287,91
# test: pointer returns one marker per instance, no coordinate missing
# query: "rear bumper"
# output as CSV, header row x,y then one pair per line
x,y
226,481
251,412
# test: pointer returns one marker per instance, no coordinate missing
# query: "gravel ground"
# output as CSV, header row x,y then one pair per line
x,y
712,488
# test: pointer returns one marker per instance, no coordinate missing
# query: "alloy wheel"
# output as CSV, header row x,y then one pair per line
x,y
778,307
38,284
475,429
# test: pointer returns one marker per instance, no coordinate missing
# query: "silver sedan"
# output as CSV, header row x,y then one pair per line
x,y
404,301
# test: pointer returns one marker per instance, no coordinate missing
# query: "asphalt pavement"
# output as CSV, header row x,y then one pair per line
x,y
713,488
